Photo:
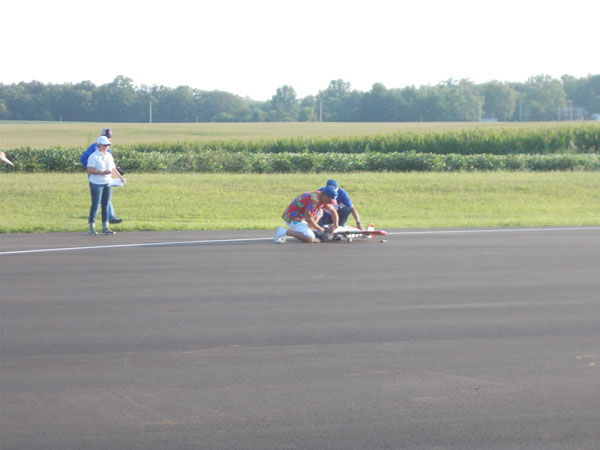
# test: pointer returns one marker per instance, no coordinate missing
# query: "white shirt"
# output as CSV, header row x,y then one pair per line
x,y
101,162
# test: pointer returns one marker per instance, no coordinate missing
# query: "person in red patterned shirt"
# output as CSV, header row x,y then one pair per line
x,y
301,213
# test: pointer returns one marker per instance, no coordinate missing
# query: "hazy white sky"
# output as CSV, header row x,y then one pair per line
x,y
252,47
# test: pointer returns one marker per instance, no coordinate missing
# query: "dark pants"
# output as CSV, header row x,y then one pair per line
x,y
100,196
343,214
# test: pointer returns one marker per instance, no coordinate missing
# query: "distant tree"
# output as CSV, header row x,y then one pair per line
x,y
258,115
410,100
307,114
337,89
428,104
174,105
349,107
541,98
500,100
583,92
378,105
460,101
120,101
113,101
219,106
308,109
144,96
592,103
26,101
3,108
284,106
340,103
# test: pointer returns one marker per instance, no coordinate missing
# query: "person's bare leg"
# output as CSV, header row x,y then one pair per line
x,y
300,236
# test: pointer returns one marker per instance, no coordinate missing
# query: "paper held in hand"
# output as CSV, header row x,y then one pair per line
x,y
116,182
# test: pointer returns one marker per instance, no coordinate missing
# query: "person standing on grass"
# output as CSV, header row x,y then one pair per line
x,y
344,207
84,158
100,167
300,216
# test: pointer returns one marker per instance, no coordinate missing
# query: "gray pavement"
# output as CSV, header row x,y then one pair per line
x,y
474,340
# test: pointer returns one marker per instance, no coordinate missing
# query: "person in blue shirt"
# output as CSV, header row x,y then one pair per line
x,y
344,207
84,160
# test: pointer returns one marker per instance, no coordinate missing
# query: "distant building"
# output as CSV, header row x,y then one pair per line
x,y
571,113
489,117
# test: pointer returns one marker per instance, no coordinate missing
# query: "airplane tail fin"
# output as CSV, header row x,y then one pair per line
x,y
371,227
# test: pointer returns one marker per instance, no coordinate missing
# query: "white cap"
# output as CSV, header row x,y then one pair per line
x,y
103,140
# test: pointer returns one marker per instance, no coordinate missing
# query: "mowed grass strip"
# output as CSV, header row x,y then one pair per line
x,y
60,202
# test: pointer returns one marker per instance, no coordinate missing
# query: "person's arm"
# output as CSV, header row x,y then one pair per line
x,y
116,173
312,224
356,217
94,171
334,218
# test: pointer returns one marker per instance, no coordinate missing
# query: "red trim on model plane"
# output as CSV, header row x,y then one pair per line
x,y
363,232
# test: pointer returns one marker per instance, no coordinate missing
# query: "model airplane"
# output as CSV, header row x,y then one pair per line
x,y
348,233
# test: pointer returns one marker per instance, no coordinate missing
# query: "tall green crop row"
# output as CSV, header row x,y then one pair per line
x,y
544,148
581,139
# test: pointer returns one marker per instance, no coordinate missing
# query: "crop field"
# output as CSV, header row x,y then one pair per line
x,y
241,176
320,147
80,134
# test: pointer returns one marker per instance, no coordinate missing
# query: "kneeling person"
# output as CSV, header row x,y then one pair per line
x,y
343,207
300,215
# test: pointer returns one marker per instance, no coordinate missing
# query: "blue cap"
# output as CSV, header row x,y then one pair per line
x,y
332,183
330,192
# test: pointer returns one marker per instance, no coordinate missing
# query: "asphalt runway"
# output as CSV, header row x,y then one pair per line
x,y
458,339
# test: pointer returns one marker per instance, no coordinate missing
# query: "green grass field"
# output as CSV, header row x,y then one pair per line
x,y
81,134
53,202
60,202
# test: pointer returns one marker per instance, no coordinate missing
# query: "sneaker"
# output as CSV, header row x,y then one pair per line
x,y
107,231
280,235
93,232
115,220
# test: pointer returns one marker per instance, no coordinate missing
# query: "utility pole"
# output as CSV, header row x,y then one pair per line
x,y
150,111
320,109
520,111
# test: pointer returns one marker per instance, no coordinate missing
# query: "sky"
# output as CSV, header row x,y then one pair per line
x,y
252,47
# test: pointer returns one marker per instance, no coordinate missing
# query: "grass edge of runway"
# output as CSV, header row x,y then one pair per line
x,y
169,202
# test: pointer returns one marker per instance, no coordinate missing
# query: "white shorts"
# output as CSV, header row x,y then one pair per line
x,y
301,227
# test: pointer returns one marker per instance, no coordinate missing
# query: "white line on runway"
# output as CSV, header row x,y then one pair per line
x,y
144,244
215,241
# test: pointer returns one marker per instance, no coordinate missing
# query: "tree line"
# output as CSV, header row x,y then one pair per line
x,y
540,98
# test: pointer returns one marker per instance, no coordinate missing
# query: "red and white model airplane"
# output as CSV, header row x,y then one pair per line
x,y
348,234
